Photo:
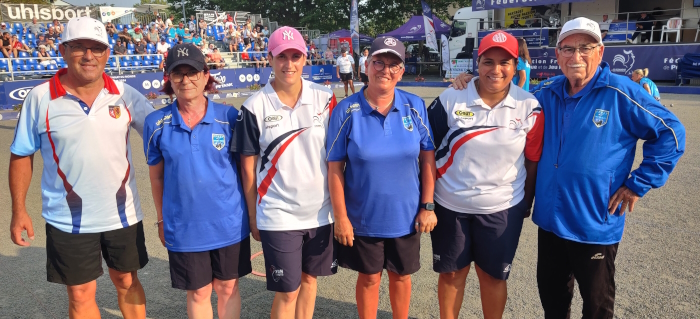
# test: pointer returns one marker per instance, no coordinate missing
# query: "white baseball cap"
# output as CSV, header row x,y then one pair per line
x,y
580,26
85,28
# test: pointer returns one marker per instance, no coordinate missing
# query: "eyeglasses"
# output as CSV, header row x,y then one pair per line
x,y
79,50
178,77
393,68
568,52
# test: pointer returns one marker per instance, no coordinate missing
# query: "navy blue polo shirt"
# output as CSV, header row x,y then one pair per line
x,y
203,205
382,174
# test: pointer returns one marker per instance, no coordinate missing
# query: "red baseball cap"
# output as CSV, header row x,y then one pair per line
x,y
499,39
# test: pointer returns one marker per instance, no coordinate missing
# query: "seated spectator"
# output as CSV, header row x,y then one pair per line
x,y
318,60
3,28
18,46
411,63
152,36
137,35
111,29
6,44
170,32
604,26
197,39
256,56
179,40
120,48
125,36
205,48
52,36
44,58
310,57
140,47
180,30
33,27
41,40
215,60
187,38
132,30
57,27
162,46
515,24
266,32
328,56
644,24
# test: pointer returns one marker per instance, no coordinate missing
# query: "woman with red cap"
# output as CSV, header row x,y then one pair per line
x,y
281,138
489,141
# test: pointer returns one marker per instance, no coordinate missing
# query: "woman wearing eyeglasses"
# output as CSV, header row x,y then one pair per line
x,y
381,176
202,217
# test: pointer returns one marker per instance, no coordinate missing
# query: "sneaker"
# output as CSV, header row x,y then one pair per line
x,y
629,41
346,96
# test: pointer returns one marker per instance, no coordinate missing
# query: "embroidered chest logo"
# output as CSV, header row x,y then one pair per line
x,y
600,117
407,123
464,115
115,111
218,140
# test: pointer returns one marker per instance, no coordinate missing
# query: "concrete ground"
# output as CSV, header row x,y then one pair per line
x,y
656,274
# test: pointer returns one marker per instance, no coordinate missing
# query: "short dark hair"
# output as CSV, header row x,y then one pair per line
x,y
209,87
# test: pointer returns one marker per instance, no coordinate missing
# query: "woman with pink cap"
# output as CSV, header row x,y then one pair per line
x,y
488,142
281,138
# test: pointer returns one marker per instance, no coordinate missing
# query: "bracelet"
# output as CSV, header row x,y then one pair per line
x,y
158,222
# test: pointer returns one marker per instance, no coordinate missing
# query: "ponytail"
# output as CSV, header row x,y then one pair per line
x,y
646,72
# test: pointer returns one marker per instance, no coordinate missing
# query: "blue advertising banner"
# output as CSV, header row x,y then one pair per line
x,y
13,93
661,60
502,4
354,27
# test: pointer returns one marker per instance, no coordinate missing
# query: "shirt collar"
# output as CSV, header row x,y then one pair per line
x,y
57,90
305,99
208,118
475,99
367,109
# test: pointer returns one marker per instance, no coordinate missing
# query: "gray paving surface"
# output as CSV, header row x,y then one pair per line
x,y
657,273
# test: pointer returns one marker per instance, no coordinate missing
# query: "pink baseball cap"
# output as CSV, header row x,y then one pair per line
x,y
286,38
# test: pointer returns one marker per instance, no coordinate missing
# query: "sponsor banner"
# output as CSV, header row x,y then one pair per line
x,y
111,13
215,17
430,38
16,12
502,4
462,65
445,55
354,27
520,14
661,60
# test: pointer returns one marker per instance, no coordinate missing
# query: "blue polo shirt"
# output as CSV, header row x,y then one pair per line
x,y
203,205
382,175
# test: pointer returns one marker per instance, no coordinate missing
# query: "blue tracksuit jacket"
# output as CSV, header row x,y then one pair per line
x,y
576,179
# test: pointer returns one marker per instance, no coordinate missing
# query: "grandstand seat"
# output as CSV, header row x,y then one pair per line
x,y
25,68
3,64
210,33
18,26
49,25
120,27
34,64
17,62
112,42
111,48
23,54
129,52
30,37
51,53
130,46
124,64
219,37
150,46
52,67
113,64
146,63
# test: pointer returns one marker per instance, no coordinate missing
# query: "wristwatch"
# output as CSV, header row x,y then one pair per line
x,y
428,206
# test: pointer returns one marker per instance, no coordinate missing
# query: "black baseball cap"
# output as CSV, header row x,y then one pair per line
x,y
388,45
185,54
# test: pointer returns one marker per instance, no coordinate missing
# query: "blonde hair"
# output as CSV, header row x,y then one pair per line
x,y
643,72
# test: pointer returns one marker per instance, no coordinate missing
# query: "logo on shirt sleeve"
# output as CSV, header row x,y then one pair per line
x,y
600,117
218,140
115,111
407,123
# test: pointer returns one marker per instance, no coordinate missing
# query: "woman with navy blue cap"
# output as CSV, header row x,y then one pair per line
x,y
381,175
202,216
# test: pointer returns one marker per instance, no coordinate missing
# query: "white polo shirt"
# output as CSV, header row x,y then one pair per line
x,y
362,63
292,173
481,157
345,63
88,183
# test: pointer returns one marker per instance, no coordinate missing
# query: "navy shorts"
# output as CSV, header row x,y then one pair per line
x,y
370,255
194,270
489,240
288,253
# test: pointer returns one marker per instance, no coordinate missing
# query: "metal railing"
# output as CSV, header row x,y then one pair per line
x,y
33,68
460,27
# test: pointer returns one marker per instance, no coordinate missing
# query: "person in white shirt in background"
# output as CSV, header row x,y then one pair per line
x,y
162,46
604,26
361,67
343,69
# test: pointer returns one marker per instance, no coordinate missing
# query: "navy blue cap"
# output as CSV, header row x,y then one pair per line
x,y
388,45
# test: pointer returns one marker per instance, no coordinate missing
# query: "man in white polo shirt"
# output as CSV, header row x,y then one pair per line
x,y
80,120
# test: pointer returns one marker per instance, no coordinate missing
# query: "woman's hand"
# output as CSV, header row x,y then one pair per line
x,y
425,221
161,234
254,230
460,82
343,231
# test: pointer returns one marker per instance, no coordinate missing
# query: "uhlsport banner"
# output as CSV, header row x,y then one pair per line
x,y
430,38
354,27
502,4
12,12
111,13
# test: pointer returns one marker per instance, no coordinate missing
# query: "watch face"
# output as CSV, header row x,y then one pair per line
x,y
430,206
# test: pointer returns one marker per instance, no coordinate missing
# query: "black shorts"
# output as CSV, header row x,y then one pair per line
x,y
346,77
364,78
288,253
370,255
489,240
194,270
74,259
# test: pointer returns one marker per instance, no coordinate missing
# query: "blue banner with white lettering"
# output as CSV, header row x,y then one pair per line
x,y
661,60
13,93
501,4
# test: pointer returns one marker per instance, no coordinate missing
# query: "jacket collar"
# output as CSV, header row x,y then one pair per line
x,y
57,90
558,84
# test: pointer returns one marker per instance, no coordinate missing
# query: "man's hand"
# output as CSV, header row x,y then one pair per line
x,y
623,196
425,221
254,230
21,222
460,82
161,233
343,231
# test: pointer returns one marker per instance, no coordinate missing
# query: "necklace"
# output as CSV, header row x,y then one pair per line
x,y
376,107
189,116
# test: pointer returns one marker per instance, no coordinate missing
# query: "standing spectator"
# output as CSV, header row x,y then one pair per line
x,y
229,23
192,24
43,41
170,32
90,201
245,33
522,75
44,58
361,67
230,38
328,56
162,46
169,21
111,30
266,32
125,36
140,47
6,44
33,27
137,35
18,46
120,48
153,36
203,28
344,65
215,59
57,26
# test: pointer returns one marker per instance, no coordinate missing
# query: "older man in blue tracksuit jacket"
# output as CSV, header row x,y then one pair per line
x,y
594,119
